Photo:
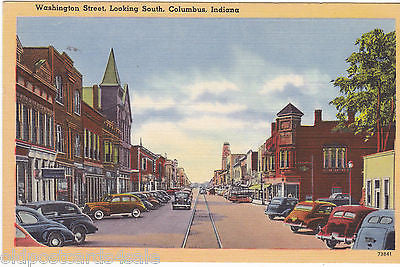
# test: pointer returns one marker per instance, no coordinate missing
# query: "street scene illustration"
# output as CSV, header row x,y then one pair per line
x,y
205,133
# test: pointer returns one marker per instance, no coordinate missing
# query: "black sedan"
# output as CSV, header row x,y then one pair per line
x,y
67,214
45,231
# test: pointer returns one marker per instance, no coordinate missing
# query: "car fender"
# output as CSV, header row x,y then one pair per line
x,y
315,221
49,230
107,211
75,224
287,211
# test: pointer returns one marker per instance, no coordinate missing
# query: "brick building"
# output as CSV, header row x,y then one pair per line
x,y
144,164
68,123
312,161
35,151
92,125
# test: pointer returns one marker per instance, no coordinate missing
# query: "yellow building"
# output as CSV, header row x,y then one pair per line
x,y
379,180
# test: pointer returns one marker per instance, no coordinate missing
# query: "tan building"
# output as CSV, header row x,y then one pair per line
x,y
379,180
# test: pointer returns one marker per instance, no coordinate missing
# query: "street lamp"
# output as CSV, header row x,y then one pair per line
x,y
350,166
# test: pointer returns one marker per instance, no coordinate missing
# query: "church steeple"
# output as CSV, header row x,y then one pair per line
x,y
111,76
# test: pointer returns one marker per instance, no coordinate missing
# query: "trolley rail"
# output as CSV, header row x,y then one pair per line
x,y
191,222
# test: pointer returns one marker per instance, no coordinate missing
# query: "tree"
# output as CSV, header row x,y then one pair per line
x,y
369,89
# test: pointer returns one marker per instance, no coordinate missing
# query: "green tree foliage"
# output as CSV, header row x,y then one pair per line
x,y
369,89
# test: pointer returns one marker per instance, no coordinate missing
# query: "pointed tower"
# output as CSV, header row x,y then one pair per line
x,y
288,120
111,76
115,106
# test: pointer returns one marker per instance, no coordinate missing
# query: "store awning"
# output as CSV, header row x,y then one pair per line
x,y
258,186
255,187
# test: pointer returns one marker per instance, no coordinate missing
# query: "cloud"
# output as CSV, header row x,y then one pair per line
x,y
280,82
142,104
213,87
217,107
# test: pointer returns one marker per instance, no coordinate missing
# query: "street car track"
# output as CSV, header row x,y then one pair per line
x,y
191,223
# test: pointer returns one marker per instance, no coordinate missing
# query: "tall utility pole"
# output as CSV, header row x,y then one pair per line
x,y
312,177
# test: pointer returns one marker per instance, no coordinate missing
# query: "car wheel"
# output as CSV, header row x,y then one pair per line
x,y
271,217
318,229
294,229
80,234
55,240
98,214
331,243
135,213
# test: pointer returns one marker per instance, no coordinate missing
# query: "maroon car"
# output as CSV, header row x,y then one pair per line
x,y
343,224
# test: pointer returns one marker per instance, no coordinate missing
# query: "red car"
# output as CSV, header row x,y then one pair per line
x,y
311,215
343,224
24,239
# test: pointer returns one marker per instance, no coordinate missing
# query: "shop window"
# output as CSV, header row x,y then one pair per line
x,y
368,193
377,190
77,145
59,138
77,102
18,121
334,157
285,159
59,87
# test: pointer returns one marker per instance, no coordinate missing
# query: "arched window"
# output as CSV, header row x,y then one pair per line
x,y
77,104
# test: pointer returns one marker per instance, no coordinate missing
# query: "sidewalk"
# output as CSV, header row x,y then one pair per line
x,y
258,201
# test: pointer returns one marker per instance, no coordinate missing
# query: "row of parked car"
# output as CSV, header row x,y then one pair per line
x,y
363,227
56,223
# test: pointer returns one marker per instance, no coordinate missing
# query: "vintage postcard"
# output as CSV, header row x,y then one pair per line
x,y
148,132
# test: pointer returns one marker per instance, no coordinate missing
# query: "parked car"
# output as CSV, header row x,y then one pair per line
x,y
144,200
165,194
153,200
311,215
45,231
24,239
343,224
115,204
339,199
280,207
159,196
182,199
377,231
69,215
172,191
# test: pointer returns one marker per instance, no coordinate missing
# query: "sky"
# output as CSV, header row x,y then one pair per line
x,y
197,83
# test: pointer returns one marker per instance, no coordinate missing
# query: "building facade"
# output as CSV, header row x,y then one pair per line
x,y
309,162
35,150
68,122
378,184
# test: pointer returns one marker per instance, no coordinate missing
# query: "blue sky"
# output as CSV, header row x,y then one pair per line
x,y
197,83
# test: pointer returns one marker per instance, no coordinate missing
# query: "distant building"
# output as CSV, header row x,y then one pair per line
x,y
379,169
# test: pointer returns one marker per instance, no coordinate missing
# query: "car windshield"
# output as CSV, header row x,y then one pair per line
x,y
106,198
349,215
304,207
276,201
386,220
338,214
181,195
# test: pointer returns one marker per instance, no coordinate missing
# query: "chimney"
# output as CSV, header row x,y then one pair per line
x,y
317,116
350,115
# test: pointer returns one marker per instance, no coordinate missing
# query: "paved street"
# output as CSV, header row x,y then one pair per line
x,y
163,228
241,225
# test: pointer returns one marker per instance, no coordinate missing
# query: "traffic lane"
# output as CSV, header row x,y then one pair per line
x,y
164,228
201,233
244,225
